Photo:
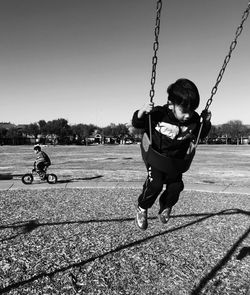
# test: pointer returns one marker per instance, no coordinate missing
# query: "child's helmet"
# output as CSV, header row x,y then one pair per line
x,y
37,147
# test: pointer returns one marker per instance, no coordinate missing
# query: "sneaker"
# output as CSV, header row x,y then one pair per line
x,y
165,215
141,218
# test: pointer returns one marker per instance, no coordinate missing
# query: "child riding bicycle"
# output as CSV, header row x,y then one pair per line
x,y
42,162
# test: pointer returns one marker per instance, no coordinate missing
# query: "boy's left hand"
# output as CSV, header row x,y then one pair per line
x,y
206,115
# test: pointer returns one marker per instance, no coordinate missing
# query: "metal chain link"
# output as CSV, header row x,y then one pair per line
x,y
221,73
155,48
225,63
228,56
154,60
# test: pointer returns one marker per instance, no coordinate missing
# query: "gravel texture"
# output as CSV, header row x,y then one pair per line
x,y
85,241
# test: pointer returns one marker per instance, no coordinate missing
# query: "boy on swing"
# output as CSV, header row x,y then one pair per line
x,y
174,127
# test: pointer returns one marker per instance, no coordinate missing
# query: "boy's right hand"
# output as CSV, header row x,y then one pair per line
x,y
206,115
147,108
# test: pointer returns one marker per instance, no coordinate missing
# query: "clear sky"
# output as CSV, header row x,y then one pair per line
x,y
89,61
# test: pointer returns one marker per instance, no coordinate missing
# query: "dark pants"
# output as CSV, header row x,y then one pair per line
x,y
41,167
153,187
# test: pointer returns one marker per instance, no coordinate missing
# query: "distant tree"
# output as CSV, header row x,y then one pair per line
x,y
122,129
234,130
59,127
50,129
108,130
3,132
32,129
136,133
13,134
116,130
213,133
42,126
82,131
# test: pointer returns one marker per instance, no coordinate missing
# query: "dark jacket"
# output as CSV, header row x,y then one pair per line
x,y
42,157
169,136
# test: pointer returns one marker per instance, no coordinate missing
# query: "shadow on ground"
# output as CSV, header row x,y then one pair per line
x,y
75,179
28,226
6,176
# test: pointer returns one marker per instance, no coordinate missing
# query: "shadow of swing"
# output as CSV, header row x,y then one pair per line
x,y
245,251
204,281
31,225
28,226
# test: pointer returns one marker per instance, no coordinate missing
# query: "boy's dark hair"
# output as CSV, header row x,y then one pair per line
x,y
184,93
37,147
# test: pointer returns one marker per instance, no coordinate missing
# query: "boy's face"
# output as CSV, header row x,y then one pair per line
x,y
182,114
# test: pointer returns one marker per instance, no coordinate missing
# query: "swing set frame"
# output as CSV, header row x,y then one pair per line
x,y
153,158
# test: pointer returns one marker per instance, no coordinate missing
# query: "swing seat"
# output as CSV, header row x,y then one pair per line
x,y
169,165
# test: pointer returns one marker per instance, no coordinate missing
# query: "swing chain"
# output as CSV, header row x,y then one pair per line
x,y
228,56
226,61
155,48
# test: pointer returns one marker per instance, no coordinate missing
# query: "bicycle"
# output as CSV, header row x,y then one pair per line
x,y
28,178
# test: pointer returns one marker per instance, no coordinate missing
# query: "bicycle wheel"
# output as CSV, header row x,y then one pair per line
x,y
27,178
51,178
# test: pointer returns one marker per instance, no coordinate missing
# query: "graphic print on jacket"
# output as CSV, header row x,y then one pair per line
x,y
175,132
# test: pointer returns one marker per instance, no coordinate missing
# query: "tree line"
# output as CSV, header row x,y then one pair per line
x,y
232,132
59,131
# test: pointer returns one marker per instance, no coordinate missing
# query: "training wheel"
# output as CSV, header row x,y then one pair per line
x,y
27,178
51,178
